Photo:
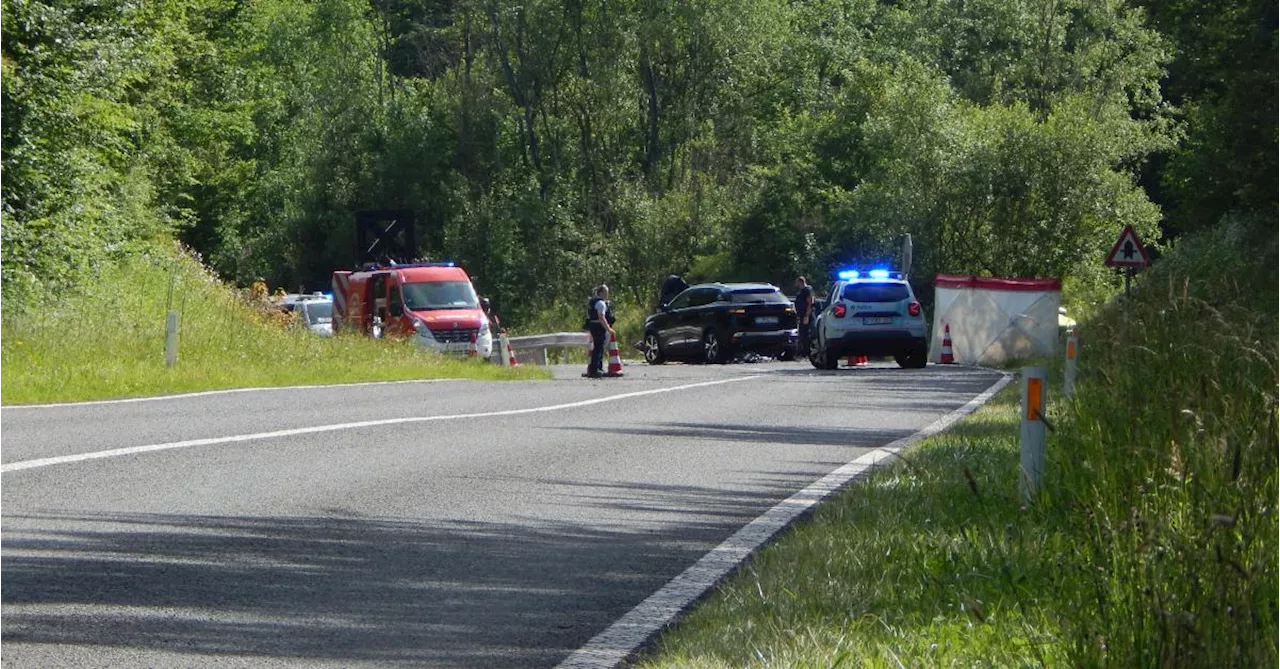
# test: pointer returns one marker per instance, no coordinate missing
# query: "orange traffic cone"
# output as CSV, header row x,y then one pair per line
x,y
855,360
947,358
508,355
471,347
615,357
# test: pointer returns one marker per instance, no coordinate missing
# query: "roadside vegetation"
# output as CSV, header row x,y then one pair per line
x,y
1153,543
107,341
549,146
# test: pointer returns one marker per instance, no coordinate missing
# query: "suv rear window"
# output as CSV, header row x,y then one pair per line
x,y
758,296
876,292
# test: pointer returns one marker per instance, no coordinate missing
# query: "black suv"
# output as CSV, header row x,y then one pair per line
x,y
713,322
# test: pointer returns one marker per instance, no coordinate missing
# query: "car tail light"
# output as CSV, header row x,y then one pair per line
x,y
737,311
838,311
913,309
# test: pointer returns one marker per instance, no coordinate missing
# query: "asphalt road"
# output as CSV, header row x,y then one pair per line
x,y
433,524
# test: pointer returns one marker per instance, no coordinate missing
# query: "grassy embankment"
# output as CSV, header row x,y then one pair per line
x,y
1153,543
108,342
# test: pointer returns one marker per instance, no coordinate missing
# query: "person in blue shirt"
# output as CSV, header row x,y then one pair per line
x,y
600,324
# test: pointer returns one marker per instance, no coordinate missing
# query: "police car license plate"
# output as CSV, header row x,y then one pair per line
x,y
767,320
877,321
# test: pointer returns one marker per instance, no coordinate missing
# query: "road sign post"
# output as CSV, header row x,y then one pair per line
x,y
906,254
1031,461
1069,365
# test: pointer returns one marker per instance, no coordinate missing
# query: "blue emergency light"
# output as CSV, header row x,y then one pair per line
x,y
850,274
445,263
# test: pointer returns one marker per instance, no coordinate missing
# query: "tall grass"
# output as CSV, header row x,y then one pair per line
x,y
1166,469
108,341
1153,541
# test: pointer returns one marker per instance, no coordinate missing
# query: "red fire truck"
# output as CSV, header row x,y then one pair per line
x,y
432,302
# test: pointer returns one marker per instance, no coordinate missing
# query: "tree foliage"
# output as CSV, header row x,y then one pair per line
x,y
553,145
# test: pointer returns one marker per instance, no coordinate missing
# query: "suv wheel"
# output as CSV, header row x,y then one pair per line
x,y
713,350
652,349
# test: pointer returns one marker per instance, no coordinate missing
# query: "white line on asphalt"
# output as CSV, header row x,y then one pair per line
x,y
225,391
610,647
133,450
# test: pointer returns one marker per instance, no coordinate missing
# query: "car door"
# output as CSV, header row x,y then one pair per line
x,y
700,315
671,330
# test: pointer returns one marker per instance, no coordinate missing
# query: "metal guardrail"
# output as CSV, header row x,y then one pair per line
x,y
537,345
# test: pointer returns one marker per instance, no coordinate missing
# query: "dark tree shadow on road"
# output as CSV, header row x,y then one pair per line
x,y
380,591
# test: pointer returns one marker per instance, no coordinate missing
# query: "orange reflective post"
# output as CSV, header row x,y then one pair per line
x,y
1069,367
1035,398
1031,441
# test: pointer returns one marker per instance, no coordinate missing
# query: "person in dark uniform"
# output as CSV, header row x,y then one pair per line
x,y
672,286
600,323
804,315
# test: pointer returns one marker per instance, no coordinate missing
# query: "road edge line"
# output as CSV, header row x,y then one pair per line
x,y
219,391
625,636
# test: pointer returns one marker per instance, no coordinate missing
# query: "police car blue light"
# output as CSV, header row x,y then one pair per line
x,y
847,274
878,274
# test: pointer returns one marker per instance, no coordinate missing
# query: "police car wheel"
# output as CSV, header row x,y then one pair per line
x,y
652,350
821,358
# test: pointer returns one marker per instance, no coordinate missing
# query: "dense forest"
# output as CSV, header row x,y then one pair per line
x,y
549,145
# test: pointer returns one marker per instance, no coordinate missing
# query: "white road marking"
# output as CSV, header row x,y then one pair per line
x,y
133,450
225,391
610,647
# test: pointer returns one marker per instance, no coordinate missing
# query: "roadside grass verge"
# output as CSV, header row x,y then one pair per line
x,y
927,562
1153,541
108,342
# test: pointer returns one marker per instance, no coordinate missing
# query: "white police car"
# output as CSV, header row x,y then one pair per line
x,y
314,311
872,312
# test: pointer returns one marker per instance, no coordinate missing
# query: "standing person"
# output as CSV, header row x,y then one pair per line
x,y
674,285
600,324
495,323
804,314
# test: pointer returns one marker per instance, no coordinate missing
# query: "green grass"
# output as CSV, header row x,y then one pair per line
x,y
913,566
108,342
1153,541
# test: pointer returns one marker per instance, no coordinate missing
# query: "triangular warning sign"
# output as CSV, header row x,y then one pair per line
x,y
1128,251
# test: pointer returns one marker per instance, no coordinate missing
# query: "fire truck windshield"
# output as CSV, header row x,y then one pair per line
x,y
439,295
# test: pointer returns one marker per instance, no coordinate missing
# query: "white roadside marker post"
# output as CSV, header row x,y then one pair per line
x,y
1069,367
1034,391
171,339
